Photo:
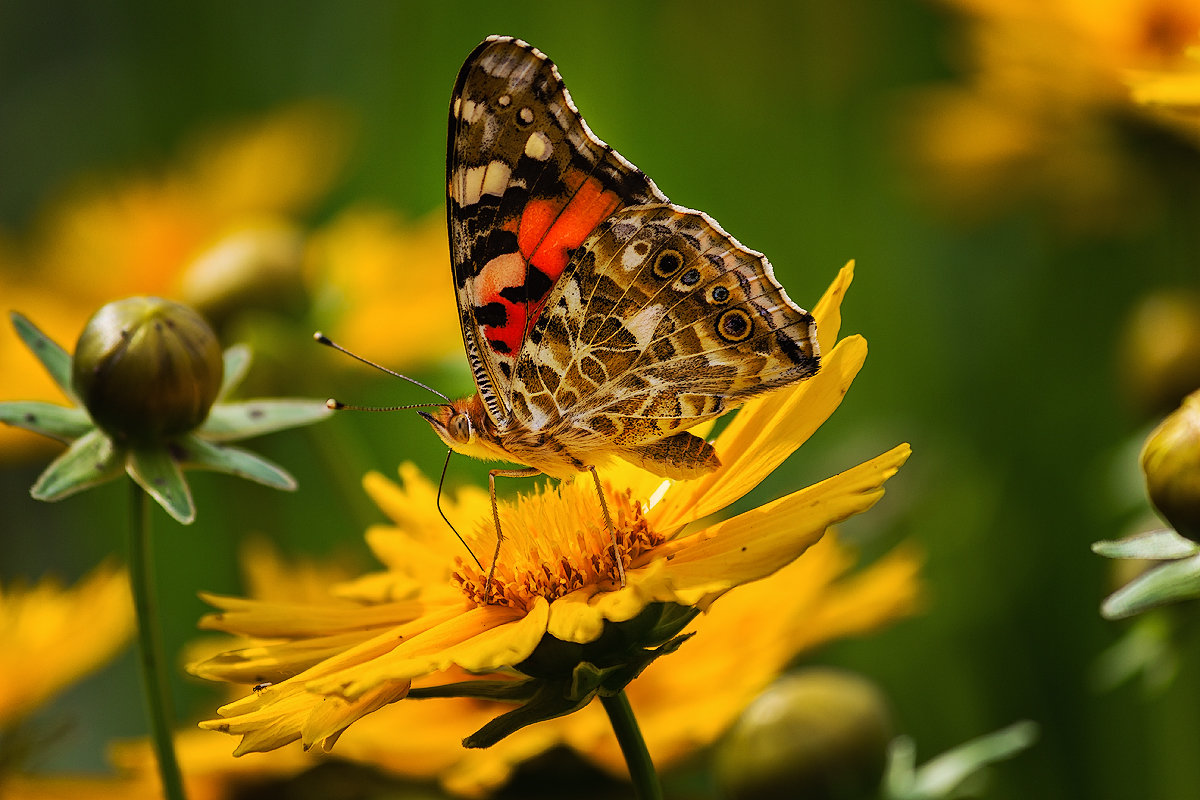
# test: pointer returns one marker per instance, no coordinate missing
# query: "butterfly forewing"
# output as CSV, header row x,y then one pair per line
x,y
527,183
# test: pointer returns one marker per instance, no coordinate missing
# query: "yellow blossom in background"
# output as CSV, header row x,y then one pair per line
x,y
112,237
1047,88
43,646
384,286
422,620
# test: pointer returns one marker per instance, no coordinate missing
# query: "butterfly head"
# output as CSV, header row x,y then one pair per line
x,y
459,424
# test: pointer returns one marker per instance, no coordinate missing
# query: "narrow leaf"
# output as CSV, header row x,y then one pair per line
x,y
942,775
90,460
156,471
195,452
237,362
56,360
1174,580
229,421
551,700
1156,545
57,422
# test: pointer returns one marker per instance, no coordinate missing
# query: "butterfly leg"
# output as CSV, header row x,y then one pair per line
x,y
612,531
528,472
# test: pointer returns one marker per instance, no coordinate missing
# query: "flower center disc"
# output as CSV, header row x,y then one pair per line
x,y
556,542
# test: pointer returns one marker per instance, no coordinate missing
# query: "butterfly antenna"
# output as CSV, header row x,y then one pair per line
x,y
438,503
325,340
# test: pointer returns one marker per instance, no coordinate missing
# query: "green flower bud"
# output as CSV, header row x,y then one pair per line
x,y
147,368
1171,461
820,734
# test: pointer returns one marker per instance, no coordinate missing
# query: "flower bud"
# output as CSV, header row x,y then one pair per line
x,y
147,368
1171,461
818,733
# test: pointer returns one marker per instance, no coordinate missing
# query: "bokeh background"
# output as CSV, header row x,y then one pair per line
x,y
1004,246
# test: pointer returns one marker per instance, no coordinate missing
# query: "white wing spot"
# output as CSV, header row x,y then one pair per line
x,y
526,115
457,107
538,146
495,179
472,111
504,100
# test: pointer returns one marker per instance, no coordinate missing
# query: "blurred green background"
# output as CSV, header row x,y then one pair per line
x,y
994,345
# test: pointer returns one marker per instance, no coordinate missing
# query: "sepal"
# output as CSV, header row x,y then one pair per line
x,y
90,460
241,420
195,452
57,422
55,359
159,474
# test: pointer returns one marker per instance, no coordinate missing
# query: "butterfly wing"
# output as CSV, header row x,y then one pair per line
x,y
527,182
660,321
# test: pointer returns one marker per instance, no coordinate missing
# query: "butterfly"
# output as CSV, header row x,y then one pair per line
x,y
600,320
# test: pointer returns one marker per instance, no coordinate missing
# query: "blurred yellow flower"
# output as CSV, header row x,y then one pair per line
x,y
423,623
384,286
113,237
1049,86
43,646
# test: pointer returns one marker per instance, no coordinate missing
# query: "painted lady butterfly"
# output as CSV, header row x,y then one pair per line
x,y
599,318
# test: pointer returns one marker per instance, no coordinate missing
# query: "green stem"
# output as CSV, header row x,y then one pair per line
x,y
154,673
633,746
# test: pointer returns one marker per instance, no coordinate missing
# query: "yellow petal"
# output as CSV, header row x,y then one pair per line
x,y
45,646
828,310
764,433
482,639
752,545
334,714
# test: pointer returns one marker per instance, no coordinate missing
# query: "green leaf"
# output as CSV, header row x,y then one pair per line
x,y
1155,545
90,460
56,360
1173,581
194,451
57,422
236,363
156,471
552,699
557,697
945,775
229,421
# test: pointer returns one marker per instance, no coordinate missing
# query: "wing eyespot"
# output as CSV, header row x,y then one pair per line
x,y
691,277
667,263
718,295
734,326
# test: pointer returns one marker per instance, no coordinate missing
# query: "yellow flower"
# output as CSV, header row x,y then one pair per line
x,y
812,600
560,618
110,238
43,648
1049,87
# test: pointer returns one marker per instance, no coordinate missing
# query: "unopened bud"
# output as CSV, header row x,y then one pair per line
x,y
820,734
1171,461
147,368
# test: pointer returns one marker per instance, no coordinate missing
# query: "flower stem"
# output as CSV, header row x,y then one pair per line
x,y
633,746
154,674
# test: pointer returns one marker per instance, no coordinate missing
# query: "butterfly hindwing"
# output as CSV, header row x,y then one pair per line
x,y
660,321
527,183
